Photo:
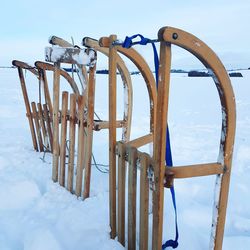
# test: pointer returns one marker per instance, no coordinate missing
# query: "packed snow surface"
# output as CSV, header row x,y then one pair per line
x,y
37,214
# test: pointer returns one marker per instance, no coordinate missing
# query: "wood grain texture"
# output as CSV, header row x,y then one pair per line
x,y
90,124
56,91
80,150
72,127
112,136
121,193
63,138
132,182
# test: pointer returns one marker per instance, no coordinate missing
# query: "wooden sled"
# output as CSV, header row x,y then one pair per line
x,y
85,147
153,169
39,112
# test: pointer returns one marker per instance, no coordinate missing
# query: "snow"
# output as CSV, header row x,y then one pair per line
x,y
36,213
59,54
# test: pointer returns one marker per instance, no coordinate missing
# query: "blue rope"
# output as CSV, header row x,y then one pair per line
x,y
168,155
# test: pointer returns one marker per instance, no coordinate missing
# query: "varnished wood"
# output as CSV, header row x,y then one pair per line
x,y
56,91
159,146
49,67
112,136
225,91
38,127
132,179
144,202
63,138
48,125
196,170
19,66
144,69
141,141
99,125
80,150
90,123
71,142
126,78
121,193
42,124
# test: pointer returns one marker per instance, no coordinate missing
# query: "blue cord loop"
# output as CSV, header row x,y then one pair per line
x,y
128,42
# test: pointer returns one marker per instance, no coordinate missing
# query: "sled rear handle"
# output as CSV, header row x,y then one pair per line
x,y
55,40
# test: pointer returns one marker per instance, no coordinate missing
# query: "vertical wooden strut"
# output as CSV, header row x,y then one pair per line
x,y
42,124
38,128
48,125
71,142
112,135
90,123
63,138
121,192
132,180
160,143
144,196
56,90
80,150
27,105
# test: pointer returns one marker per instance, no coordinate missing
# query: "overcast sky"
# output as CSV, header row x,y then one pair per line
x,y
26,25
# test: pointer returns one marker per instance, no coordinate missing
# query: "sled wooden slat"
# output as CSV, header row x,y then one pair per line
x,y
159,143
112,136
80,151
63,138
27,105
141,141
196,170
99,125
38,128
48,125
121,193
43,78
42,124
56,90
132,179
90,123
71,142
144,197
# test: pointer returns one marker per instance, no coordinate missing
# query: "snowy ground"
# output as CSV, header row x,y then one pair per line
x,y
36,214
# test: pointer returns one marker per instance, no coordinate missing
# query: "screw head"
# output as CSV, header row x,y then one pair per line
x,y
175,36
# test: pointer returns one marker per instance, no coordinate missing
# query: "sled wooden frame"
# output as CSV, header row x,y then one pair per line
x,y
154,168
127,84
148,77
85,135
126,78
40,115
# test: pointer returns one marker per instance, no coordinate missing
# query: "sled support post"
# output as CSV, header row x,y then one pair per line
x,y
159,143
56,90
132,180
72,119
121,192
144,198
20,66
90,124
112,135
81,140
63,138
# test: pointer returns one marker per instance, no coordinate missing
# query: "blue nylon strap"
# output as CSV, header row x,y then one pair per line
x,y
128,42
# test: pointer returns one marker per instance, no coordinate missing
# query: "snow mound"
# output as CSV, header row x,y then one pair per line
x,y
18,195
